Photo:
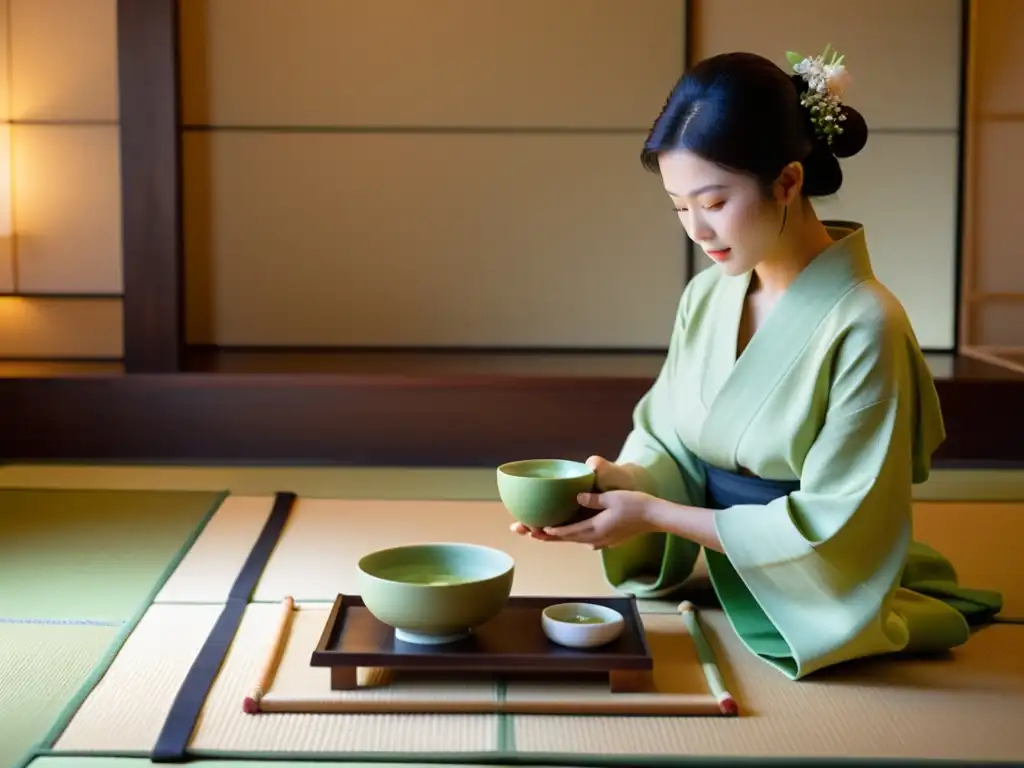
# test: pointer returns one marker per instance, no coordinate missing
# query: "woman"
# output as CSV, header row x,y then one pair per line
x,y
794,410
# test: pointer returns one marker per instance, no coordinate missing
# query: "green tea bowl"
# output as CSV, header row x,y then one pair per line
x,y
437,592
542,492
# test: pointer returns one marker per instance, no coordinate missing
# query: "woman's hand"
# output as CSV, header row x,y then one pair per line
x,y
608,476
622,515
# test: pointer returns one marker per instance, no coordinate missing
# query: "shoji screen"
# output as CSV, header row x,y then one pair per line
x,y
904,57
59,90
437,173
994,263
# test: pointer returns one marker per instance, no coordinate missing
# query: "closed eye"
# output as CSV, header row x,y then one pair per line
x,y
712,207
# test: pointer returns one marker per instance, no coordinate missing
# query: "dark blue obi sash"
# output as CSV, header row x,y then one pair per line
x,y
725,489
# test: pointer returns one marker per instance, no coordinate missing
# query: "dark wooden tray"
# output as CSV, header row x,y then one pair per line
x,y
512,642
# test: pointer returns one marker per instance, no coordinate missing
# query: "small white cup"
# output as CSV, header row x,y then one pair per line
x,y
566,624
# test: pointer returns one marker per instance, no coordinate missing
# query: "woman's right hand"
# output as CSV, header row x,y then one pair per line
x,y
608,476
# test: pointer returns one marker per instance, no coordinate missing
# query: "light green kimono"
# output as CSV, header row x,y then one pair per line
x,y
832,391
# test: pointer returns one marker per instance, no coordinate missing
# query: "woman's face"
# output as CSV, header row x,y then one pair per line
x,y
723,212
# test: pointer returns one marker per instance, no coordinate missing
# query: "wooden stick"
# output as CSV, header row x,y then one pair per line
x,y
726,702
541,704
251,704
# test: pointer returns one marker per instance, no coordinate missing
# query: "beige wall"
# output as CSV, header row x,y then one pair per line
x,y
401,221
994,264
58,90
474,179
458,172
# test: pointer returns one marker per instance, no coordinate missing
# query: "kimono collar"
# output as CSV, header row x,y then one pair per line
x,y
849,252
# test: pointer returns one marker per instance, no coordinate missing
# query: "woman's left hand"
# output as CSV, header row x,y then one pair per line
x,y
622,515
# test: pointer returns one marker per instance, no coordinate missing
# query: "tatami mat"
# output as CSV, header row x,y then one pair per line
x,y
126,710
324,539
311,482
210,567
963,707
41,669
467,483
91,554
966,707
982,541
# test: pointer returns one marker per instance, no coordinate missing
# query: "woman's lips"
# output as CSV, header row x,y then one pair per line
x,y
719,255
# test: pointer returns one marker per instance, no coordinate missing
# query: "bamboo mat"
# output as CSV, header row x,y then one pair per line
x,y
316,557
324,538
964,707
41,668
210,566
91,554
126,710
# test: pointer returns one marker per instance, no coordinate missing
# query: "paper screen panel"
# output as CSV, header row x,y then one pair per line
x,y
999,28
8,280
6,267
590,63
385,239
5,69
911,226
67,206
999,324
904,56
997,253
60,328
64,59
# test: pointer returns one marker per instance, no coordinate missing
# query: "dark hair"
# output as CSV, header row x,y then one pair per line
x,y
743,112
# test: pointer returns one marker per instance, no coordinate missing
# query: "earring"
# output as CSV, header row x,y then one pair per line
x,y
785,215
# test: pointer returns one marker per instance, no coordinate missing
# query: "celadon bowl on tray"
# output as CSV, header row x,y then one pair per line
x,y
542,492
435,592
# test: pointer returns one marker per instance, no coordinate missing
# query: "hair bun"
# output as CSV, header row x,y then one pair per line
x,y
854,135
855,129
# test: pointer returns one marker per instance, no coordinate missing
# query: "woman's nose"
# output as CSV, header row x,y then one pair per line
x,y
700,231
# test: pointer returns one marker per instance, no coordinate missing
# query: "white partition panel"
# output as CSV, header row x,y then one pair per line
x,y
7,266
68,208
64,59
528,63
993,270
391,239
60,87
41,328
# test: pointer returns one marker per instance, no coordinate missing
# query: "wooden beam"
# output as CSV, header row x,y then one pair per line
x,y
392,419
147,52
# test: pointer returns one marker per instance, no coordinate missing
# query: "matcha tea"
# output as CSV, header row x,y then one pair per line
x,y
578,619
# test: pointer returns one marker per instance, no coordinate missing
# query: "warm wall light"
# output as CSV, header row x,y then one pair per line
x,y
6,211
8,254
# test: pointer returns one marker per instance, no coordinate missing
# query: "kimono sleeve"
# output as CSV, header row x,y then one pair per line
x,y
660,463
824,563
655,564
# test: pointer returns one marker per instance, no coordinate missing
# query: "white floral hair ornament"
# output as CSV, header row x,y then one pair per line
x,y
827,79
